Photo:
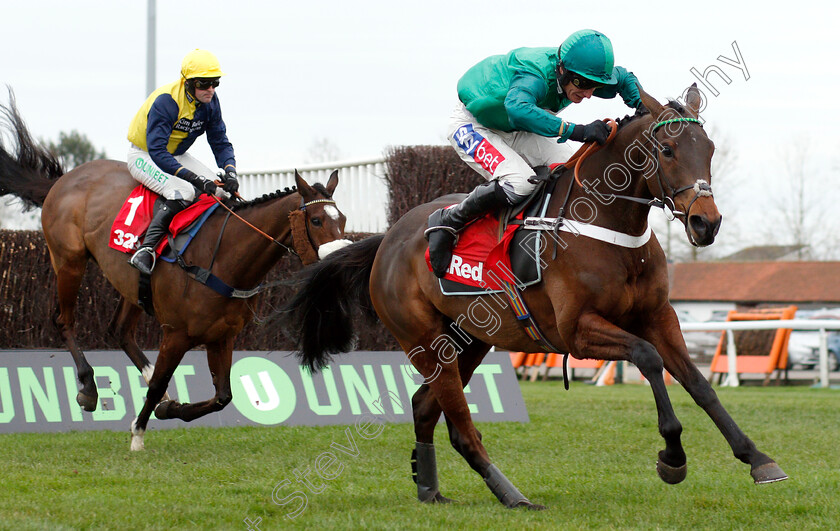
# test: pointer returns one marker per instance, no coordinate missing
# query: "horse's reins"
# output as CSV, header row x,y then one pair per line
x,y
204,275
246,222
303,205
701,187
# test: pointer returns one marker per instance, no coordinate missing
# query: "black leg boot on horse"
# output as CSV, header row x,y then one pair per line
x,y
144,258
424,473
445,223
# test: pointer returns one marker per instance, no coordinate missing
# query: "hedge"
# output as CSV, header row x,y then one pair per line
x,y
28,301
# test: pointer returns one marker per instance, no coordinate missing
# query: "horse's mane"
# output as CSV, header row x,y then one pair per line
x,y
320,188
641,111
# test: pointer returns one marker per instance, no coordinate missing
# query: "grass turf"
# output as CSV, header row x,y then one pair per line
x,y
588,454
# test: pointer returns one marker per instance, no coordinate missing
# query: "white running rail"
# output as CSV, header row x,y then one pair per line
x,y
362,194
794,324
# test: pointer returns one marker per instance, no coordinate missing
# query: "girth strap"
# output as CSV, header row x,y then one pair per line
x,y
204,276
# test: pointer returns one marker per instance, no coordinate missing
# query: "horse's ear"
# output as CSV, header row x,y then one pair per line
x,y
303,187
654,107
332,182
693,99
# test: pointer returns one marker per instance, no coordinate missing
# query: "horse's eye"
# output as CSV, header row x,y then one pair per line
x,y
316,222
667,151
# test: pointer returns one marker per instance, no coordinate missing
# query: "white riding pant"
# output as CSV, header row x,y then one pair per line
x,y
147,173
508,157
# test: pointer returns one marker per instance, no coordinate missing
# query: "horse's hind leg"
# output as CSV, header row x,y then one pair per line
x,y
671,345
426,415
219,358
599,339
443,378
123,327
69,274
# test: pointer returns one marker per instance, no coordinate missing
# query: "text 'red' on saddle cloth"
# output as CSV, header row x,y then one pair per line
x,y
480,259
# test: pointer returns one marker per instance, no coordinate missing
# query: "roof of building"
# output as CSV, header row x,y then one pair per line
x,y
756,282
765,252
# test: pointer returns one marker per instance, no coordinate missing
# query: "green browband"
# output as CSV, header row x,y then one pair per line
x,y
673,120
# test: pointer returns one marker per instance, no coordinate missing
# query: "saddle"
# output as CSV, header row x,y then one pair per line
x,y
493,249
136,213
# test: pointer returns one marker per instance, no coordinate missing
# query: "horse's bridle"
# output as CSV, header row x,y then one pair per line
x,y
302,208
701,187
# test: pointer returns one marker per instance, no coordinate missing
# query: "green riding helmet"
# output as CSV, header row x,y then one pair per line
x,y
589,53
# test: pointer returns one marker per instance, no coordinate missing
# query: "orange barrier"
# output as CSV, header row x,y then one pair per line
x,y
535,361
517,359
776,358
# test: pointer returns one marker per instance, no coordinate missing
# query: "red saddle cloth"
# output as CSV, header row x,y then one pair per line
x,y
479,258
136,213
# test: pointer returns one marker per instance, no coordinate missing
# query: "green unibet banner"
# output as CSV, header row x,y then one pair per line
x,y
38,390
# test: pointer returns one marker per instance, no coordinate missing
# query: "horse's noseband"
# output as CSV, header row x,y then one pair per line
x,y
701,188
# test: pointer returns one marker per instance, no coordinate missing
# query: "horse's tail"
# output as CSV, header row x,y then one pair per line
x,y
29,170
320,315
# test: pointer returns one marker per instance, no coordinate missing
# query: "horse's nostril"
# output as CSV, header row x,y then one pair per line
x,y
698,224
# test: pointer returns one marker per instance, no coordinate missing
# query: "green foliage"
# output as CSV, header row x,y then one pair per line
x,y
588,454
74,149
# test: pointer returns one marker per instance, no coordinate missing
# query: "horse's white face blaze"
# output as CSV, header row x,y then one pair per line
x,y
332,212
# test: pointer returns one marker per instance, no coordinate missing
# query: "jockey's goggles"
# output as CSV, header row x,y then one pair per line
x,y
206,83
584,83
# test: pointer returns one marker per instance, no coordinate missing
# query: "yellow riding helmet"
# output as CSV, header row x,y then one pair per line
x,y
200,63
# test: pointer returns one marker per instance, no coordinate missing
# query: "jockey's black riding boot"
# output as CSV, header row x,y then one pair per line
x,y
445,223
144,258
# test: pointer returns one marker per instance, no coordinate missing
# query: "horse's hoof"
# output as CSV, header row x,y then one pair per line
x,y
162,410
528,505
671,475
438,498
87,402
768,473
136,437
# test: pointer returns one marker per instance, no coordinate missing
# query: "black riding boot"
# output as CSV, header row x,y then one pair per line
x,y
445,223
144,258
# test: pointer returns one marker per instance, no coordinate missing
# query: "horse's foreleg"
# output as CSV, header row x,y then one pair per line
x,y
68,280
670,343
123,327
172,349
219,358
599,339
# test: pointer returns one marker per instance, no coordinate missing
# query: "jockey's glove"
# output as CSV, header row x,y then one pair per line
x,y
202,183
208,186
597,131
231,185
